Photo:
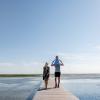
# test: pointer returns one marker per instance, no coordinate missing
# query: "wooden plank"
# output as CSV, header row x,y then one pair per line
x,y
53,93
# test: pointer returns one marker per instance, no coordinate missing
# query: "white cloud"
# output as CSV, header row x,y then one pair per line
x,y
30,67
6,64
80,56
97,47
80,63
73,63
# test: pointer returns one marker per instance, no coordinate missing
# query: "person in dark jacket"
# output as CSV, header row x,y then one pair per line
x,y
46,74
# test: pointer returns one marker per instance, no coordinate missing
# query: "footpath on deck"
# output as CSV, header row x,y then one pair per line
x,y
53,93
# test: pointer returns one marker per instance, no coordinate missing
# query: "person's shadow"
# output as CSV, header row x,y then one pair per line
x,y
42,88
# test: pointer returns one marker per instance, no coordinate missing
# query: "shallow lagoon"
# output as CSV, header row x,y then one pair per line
x,y
18,88
24,88
84,89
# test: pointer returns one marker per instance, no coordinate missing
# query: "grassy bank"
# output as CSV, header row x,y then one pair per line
x,y
20,75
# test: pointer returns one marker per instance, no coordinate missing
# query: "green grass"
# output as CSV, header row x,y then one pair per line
x,y
20,75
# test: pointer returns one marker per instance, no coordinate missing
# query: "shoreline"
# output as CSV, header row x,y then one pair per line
x,y
63,75
20,75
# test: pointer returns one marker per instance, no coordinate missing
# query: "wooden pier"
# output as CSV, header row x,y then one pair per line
x,y
53,93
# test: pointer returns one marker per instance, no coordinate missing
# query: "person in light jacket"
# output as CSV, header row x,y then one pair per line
x,y
57,63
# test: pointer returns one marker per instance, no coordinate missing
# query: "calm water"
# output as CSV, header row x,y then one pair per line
x,y
25,88
18,88
84,89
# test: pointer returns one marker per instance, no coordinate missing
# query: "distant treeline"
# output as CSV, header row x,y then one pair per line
x,y
63,75
20,75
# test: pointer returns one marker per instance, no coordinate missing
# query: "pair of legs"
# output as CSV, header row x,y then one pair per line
x,y
46,83
57,79
57,82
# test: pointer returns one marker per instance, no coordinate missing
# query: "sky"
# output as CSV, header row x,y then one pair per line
x,y
33,32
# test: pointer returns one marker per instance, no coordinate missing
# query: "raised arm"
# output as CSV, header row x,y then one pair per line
x,y
61,63
52,64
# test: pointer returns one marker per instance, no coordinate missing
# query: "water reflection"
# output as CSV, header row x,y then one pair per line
x,y
85,89
18,88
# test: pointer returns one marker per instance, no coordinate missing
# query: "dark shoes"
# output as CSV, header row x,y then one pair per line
x,y
57,86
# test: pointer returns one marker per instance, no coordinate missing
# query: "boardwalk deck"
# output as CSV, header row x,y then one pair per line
x,y
54,93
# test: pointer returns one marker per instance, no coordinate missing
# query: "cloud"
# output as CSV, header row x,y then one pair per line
x,y
19,64
72,56
73,63
80,68
80,62
80,56
21,68
3,64
97,47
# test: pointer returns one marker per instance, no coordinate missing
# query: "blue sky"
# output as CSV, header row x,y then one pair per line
x,y
34,31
